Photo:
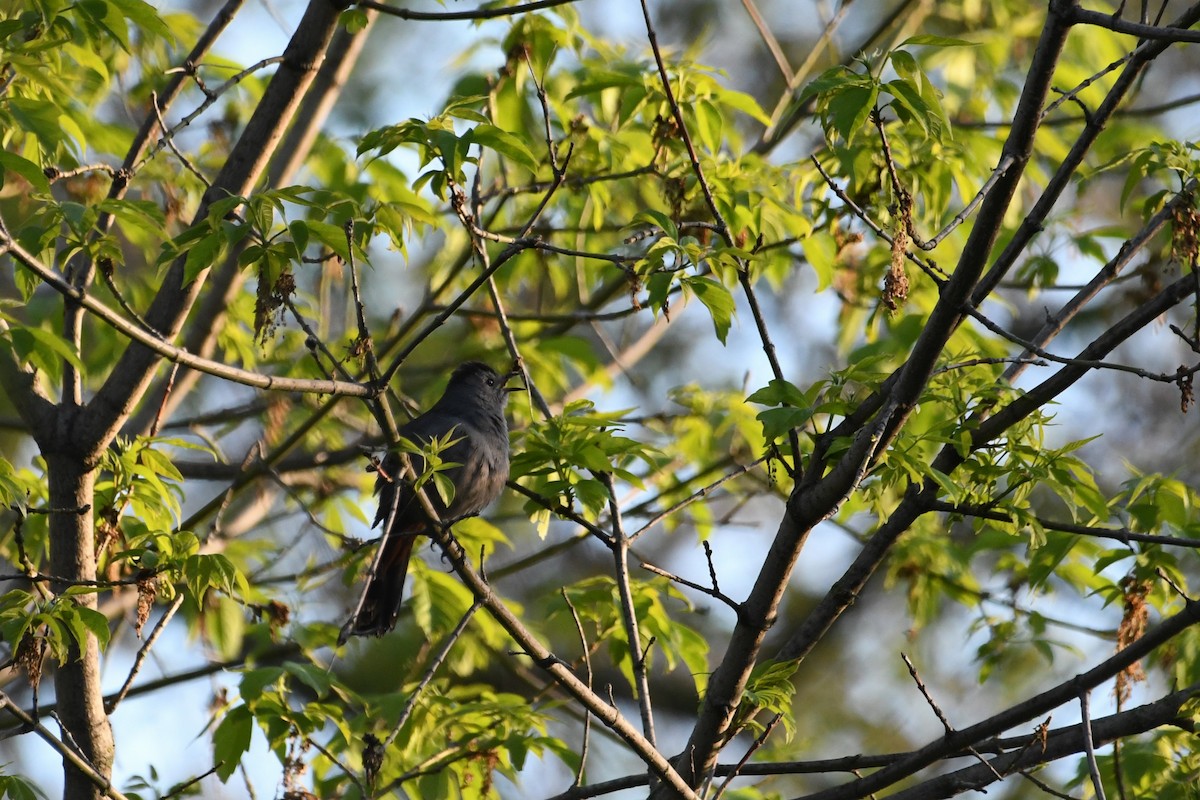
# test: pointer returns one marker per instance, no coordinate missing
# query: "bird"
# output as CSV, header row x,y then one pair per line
x,y
470,414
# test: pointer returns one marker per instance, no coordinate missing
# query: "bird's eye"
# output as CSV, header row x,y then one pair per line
x,y
491,381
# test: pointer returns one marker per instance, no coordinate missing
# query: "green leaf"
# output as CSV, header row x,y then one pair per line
x,y
849,110
203,571
144,16
355,20
225,627
910,106
658,220
821,251
905,65
777,422
833,79
598,80
930,40
504,143
452,148
717,299
254,681
709,124
96,623
744,103
43,119
108,17
13,163
15,787
42,348
778,393
298,230
231,740
141,215
312,676
332,236
467,107
202,256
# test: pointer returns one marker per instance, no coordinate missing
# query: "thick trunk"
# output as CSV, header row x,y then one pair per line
x,y
77,682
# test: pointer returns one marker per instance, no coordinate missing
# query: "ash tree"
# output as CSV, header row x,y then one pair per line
x,y
855,453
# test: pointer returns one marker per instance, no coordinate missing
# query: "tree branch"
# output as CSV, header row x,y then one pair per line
x,y
1034,707
474,14
127,382
161,347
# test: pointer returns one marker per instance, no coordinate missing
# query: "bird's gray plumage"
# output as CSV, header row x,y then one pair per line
x,y
471,411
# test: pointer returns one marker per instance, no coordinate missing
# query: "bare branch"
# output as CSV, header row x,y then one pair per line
x,y
138,335
1032,708
620,550
478,13
111,705
1167,34
69,754
435,663
1088,746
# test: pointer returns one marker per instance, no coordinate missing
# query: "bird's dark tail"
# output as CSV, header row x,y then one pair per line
x,y
384,591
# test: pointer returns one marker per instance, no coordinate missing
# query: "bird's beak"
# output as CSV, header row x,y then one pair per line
x,y
516,374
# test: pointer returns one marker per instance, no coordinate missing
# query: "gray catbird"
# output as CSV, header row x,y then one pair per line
x,y
471,411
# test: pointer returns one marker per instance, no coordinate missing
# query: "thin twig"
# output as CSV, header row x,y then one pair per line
x,y
712,592
362,788
55,174
183,786
1123,535
779,124
898,189
111,705
586,654
162,404
434,664
699,494
1107,274
316,344
754,747
1031,347
569,318
559,671
928,267
912,670
41,577
620,551
772,43
474,14
1089,746
978,362
69,754
168,139
1168,33
508,253
365,343
681,125
211,97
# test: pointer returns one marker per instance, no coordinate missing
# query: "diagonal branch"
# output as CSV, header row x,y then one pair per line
x,y
224,284
128,381
919,498
1033,708
558,670
1033,223
818,495
68,753
1167,34
139,336
473,14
